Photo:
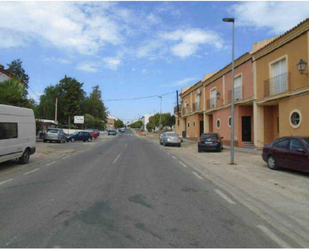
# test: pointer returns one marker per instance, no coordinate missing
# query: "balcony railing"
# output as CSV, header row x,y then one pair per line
x,y
276,85
196,106
238,94
214,103
185,110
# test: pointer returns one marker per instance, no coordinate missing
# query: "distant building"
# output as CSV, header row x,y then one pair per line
x,y
111,121
145,120
6,75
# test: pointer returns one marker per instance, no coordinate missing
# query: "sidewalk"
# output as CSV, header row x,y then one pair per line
x,y
279,197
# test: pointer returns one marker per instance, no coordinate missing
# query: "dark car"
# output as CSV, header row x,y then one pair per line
x,y
112,132
80,136
210,142
288,152
55,134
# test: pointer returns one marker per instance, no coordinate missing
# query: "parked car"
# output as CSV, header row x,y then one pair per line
x,y
112,132
94,135
80,136
122,129
210,142
17,133
288,152
55,134
170,138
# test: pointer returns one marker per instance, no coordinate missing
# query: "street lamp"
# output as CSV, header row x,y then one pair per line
x,y
302,66
160,116
233,93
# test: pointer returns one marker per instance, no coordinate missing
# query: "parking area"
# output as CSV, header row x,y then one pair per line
x,y
50,151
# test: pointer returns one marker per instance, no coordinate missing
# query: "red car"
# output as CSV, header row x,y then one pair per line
x,y
94,135
288,152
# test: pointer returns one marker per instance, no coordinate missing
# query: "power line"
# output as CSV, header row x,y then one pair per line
x,y
33,92
136,98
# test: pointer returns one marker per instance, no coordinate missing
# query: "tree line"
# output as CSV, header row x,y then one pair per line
x,y
166,120
69,92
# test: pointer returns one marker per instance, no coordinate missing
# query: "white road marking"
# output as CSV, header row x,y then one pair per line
x,y
50,163
116,159
183,164
198,176
5,181
168,153
29,172
274,237
223,196
65,157
125,145
10,241
174,157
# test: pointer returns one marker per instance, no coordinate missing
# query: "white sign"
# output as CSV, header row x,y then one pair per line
x,y
78,119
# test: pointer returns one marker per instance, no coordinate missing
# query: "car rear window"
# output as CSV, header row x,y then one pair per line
x,y
212,136
52,131
306,141
172,135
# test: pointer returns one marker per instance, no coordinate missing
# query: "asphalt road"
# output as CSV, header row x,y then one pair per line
x,y
124,193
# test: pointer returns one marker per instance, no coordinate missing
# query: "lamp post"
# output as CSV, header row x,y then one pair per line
x,y
232,102
160,116
301,66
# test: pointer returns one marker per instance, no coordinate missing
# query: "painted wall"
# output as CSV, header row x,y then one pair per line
x,y
218,84
271,114
3,77
194,132
295,50
181,127
286,106
246,70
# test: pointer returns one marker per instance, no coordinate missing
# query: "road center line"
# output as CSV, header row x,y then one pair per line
x,y
168,153
29,172
65,157
223,196
274,237
183,164
198,176
174,157
116,159
50,163
5,181
125,145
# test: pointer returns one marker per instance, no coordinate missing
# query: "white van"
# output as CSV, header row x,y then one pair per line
x,y
17,133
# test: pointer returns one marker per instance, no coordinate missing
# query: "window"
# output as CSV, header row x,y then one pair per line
x,y
8,130
295,118
197,100
279,77
306,141
295,144
229,121
178,122
213,98
194,124
188,124
238,88
281,144
218,123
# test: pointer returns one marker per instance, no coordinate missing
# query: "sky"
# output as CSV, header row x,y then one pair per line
x,y
135,49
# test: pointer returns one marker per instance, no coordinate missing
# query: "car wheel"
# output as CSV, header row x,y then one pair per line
x,y
219,150
164,144
271,162
24,159
63,140
199,150
179,145
44,141
89,139
73,139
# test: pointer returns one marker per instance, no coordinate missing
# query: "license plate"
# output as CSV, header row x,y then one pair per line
x,y
208,142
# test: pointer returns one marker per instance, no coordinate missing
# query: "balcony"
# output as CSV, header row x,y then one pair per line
x,y
238,94
276,85
185,110
196,106
175,110
214,103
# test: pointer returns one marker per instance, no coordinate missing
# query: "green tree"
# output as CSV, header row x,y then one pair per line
x,y
12,92
98,123
73,96
119,123
94,104
16,68
89,121
137,124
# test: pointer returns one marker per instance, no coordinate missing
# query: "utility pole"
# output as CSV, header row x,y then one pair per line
x,y
160,117
56,109
177,104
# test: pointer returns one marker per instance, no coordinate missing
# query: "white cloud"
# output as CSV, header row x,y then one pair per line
x,y
112,62
148,48
168,8
83,27
276,16
153,18
181,82
60,60
189,41
87,67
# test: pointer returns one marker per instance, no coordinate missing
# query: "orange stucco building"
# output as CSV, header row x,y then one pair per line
x,y
271,95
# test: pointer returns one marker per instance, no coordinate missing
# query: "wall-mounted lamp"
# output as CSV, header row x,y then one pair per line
x,y
218,95
301,66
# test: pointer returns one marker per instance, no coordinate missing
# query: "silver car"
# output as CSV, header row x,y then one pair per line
x,y
55,134
170,138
